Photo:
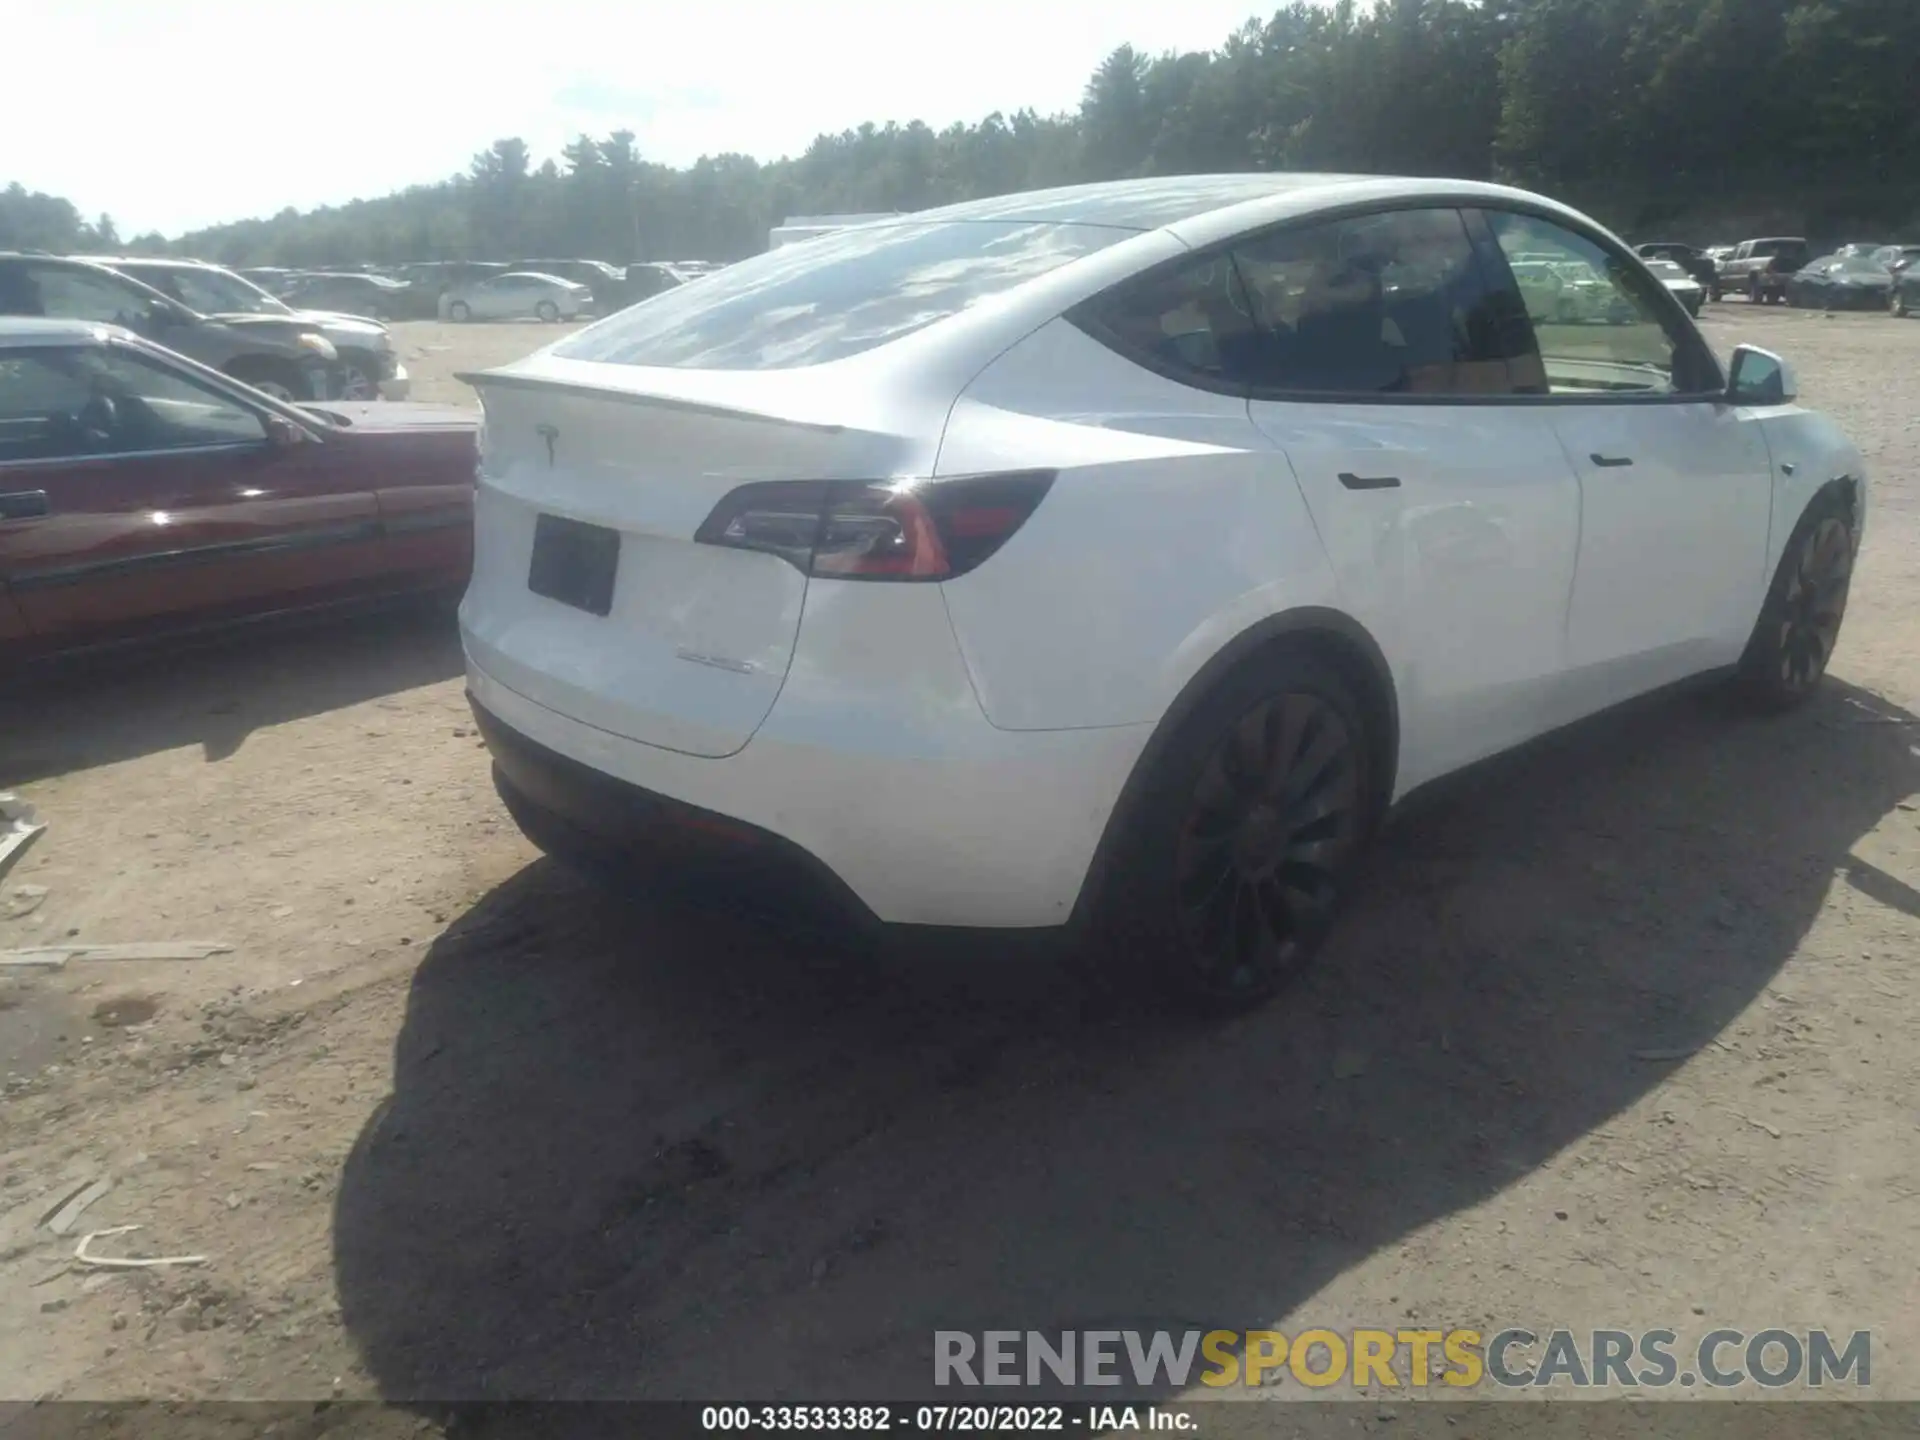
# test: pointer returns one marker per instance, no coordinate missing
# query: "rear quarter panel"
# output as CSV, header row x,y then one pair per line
x,y
1173,526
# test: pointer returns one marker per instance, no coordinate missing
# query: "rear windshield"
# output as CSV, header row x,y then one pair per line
x,y
835,295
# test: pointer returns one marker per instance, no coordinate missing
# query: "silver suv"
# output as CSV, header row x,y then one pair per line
x,y
285,356
370,368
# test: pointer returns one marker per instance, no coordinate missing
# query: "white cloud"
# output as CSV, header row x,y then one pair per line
x,y
175,116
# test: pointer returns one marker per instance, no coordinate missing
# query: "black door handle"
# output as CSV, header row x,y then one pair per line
x,y
1369,482
23,505
1610,462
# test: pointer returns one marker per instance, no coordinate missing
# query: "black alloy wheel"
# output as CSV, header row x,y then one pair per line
x,y
1278,810
1814,603
1799,626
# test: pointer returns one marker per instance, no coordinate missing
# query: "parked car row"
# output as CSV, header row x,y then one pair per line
x,y
212,316
1856,277
1569,291
1782,269
422,291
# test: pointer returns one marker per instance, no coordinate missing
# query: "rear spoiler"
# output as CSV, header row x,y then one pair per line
x,y
479,379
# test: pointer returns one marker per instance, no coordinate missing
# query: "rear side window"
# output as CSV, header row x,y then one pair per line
x,y
1193,322
1388,304
1396,303
835,295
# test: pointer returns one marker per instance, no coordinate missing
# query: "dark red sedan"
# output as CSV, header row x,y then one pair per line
x,y
142,493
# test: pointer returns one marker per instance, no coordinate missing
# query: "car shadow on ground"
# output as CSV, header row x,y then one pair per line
x,y
77,713
637,1151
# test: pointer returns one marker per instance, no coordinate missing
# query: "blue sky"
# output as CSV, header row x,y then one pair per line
x,y
171,116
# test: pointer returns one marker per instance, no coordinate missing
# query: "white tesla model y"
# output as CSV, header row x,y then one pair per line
x,y
1120,553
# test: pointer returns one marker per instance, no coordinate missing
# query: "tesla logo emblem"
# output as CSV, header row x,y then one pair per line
x,y
549,434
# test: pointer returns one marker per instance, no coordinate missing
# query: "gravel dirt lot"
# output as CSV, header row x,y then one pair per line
x,y
1621,1034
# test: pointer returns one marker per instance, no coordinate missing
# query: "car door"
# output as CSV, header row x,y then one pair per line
x,y
494,299
1396,387
165,500
1676,484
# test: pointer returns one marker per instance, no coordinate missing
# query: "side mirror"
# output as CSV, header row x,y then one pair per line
x,y
1759,377
282,433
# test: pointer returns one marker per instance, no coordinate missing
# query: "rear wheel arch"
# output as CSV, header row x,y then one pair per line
x,y
1329,636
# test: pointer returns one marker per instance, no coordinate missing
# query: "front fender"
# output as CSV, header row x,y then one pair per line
x,y
1810,452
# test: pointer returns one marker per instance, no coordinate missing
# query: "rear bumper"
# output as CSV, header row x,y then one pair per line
x,y
613,830
929,816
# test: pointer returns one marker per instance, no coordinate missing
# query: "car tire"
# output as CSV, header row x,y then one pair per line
x,y
1753,290
547,311
1897,305
1241,847
459,312
283,381
361,383
1799,622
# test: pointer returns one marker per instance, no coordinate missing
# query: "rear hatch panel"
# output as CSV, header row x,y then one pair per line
x,y
696,639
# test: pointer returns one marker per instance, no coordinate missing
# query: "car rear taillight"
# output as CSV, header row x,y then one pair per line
x,y
862,530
